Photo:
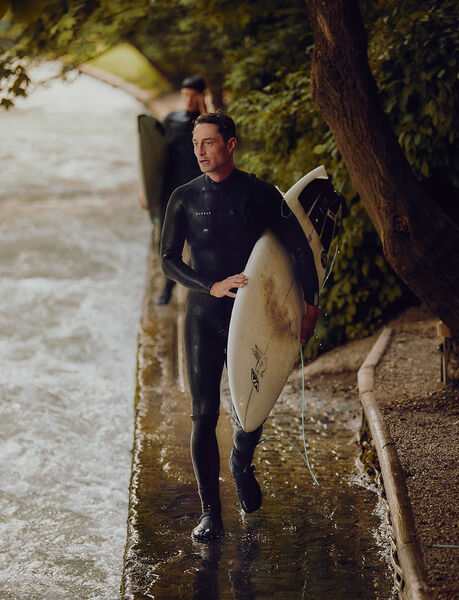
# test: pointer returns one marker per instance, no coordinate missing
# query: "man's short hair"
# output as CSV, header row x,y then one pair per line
x,y
225,124
195,82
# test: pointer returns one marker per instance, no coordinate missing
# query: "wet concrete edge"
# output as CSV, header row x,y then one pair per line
x,y
132,562
133,570
393,476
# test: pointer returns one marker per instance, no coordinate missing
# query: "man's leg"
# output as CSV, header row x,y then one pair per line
x,y
206,462
204,349
244,444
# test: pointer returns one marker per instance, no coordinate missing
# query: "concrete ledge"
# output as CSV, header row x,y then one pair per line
x,y
393,477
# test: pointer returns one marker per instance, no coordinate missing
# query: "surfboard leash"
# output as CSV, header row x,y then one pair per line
x,y
282,208
340,228
303,403
304,455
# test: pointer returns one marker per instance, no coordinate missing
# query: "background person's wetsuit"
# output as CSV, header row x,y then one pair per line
x,y
221,222
180,166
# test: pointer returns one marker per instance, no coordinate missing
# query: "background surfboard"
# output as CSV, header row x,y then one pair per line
x,y
152,149
264,332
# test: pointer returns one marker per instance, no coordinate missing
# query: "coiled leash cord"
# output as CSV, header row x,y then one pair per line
x,y
304,456
279,438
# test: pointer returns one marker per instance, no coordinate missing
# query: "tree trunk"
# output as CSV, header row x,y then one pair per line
x,y
216,92
419,241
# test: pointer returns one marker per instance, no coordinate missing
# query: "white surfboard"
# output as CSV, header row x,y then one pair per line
x,y
316,217
264,332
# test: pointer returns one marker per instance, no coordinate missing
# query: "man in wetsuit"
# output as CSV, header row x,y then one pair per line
x,y
222,214
180,162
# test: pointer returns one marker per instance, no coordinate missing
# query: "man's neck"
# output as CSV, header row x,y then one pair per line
x,y
222,174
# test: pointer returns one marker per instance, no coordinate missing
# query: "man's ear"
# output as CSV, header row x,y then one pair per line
x,y
231,144
202,103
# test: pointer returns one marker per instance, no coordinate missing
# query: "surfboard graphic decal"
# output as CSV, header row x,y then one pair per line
x,y
255,380
260,366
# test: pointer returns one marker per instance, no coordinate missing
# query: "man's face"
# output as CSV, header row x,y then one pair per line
x,y
213,154
191,99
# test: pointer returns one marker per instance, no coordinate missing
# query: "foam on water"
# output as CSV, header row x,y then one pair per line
x,y
72,263
71,135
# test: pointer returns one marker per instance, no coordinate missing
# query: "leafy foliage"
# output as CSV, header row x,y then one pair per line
x,y
258,54
415,59
413,55
362,290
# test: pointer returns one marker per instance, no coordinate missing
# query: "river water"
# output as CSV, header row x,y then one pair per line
x,y
73,245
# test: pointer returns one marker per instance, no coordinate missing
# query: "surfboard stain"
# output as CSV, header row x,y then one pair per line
x,y
283,322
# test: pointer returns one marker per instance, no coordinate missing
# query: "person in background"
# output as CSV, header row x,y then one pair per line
x,y
180,163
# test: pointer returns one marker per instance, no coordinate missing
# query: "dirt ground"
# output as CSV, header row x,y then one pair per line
x,y
422,417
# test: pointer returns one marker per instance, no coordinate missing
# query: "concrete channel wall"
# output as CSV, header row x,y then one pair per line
x,y
413,585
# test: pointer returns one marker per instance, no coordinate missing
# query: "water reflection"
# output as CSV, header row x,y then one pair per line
x,y
306,542
205,582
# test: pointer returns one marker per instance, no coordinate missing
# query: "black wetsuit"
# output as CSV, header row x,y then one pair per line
x,y
221,222
180,165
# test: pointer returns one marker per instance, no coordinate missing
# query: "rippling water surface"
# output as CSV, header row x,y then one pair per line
x,y
72,258
305,543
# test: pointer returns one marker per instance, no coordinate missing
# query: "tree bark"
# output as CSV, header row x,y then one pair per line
x,y
216,92
419,241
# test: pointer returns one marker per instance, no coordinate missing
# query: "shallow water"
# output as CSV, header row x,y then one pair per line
x,y
72,260
305,542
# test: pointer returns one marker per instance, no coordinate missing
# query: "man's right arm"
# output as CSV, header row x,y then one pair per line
x,y
173,238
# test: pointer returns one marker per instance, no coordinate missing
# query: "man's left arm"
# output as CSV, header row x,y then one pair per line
x,y
308,322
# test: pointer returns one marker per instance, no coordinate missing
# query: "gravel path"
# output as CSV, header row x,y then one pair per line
x,y
422,418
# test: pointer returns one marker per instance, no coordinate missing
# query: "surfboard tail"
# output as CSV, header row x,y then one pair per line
x,y
315,203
